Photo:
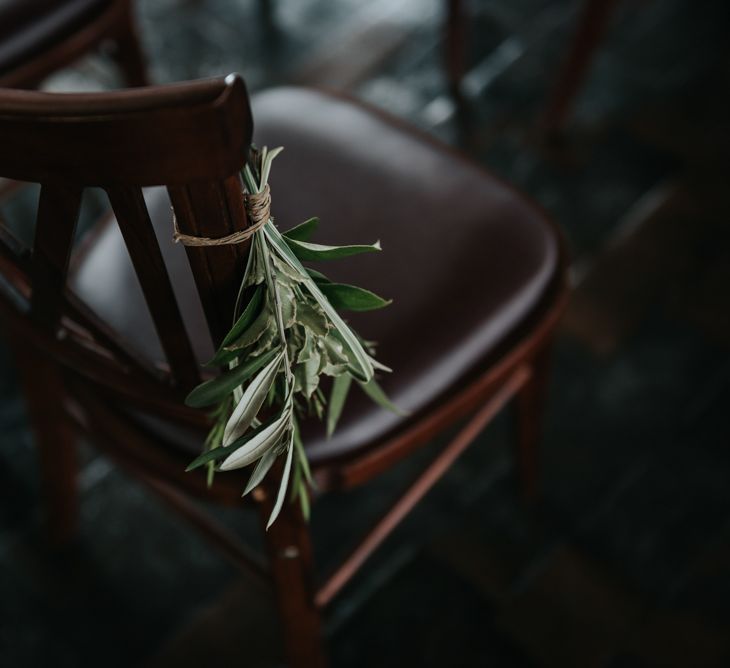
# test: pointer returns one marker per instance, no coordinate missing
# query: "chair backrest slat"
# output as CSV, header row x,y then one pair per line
x,y
58,213
191,138
217,269
139,236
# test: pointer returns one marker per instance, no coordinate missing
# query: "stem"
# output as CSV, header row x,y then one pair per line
x,y
253,187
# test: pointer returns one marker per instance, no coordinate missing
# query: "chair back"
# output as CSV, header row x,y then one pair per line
x,y
192,138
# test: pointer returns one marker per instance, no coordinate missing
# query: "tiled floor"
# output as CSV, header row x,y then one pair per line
x,y
625,561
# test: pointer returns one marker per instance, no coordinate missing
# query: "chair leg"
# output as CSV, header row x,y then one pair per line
x,y
530,404
128,54
592,24
455,46
55,440
289,550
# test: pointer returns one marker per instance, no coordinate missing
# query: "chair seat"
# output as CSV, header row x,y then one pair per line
x,y
29,27
465,258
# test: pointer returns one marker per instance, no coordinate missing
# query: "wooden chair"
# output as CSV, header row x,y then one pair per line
x,y
114,331
592,22
38,37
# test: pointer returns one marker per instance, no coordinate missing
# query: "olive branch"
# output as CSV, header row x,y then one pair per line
x,y
286,334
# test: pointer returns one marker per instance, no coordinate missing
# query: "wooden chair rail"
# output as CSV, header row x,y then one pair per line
x,y
417,490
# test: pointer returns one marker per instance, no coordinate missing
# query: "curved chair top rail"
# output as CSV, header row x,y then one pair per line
x,y
162,135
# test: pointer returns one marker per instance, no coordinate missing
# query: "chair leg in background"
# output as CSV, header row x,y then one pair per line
x,y
593,22
530,405
289,551
55,440
455,46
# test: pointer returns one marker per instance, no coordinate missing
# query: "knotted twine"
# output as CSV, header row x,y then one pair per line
x,y
258,207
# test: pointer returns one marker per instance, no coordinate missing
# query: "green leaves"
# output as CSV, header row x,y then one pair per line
x,y
282,485
217,389
358,358
251,401
241,325
303,231
309,251
351,298
261,442
286,335
340,388
377,394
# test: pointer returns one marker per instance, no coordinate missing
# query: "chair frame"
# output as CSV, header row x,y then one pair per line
x,y
195,139
115,24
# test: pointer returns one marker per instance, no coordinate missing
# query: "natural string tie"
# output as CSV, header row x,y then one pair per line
x,y
258,207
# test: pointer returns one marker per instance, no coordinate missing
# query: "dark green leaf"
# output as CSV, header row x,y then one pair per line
x,y
318,276
377,394
303,231
308,251
214,390
247,318
351,298
340,388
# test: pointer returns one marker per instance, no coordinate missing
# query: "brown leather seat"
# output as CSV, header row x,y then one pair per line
x,y
29,27
465,258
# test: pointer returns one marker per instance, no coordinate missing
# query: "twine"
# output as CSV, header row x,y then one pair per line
x,y
258,207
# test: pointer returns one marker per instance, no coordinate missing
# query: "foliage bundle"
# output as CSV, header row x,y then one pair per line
x,y
286,335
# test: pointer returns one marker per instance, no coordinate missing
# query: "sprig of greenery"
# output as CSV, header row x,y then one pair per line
x,y
286,335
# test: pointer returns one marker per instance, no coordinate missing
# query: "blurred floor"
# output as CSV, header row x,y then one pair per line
x,y
626,561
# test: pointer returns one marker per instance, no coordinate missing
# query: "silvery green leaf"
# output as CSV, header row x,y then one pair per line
x,y
306,376
268,437
282,485
285,273
212,391
340,388
307,350
255,274
267,157
311,315
251,401
351,298
256,330
245,321
377,394
262,468
334,350
221,452
306,250
288,304
265,341
379,365
303,231
359,361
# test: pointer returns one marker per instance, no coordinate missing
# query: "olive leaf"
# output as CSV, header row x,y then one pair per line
x,y
351,298
305,250
267,438
377,394
262,468
251,401
240,326
361,366
214,390
303,231
340,388
282,485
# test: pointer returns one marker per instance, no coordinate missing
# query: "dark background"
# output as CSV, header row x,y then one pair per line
x,y
626,561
